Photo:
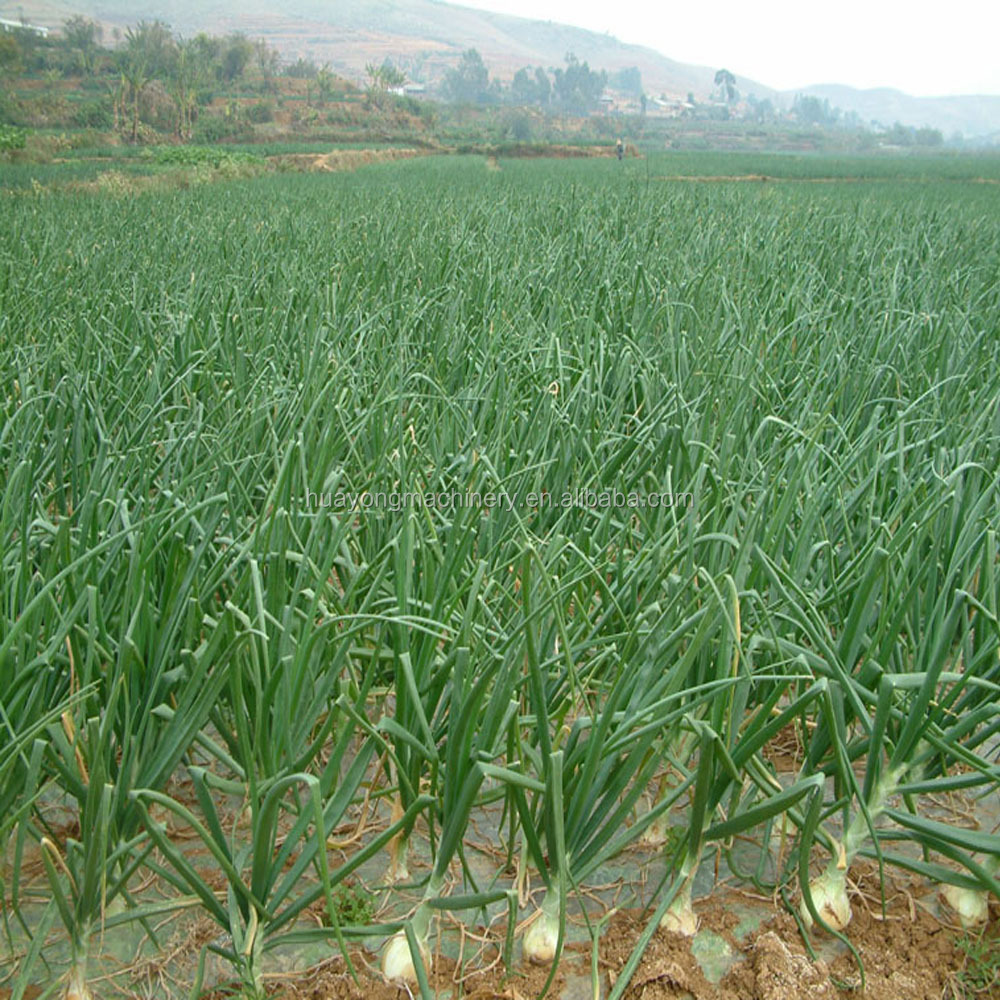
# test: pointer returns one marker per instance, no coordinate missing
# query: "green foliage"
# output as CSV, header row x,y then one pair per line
x,y
301,69
12,137
628,81
901,135
261,112
530,88
815,363
577,87
353,904
94,115
384,77
812,111
237,51
11,56
980,974
214,156
83,38
469,82
211,128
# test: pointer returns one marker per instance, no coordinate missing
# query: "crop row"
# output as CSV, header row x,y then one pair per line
x,y
817,368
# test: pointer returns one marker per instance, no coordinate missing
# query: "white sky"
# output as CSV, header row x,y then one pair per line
x,y
922,48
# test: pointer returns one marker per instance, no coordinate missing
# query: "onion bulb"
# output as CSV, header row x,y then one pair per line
x,y
397,960
680,917
76,988
829,894
655,835
543,935
971,905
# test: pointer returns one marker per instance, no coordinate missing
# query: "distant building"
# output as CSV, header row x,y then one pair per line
x,y
668,107
34,29
409,90
613,100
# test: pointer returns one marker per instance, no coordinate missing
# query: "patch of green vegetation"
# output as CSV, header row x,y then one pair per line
x,y
812,166
353,905
12,137
189,156
980,973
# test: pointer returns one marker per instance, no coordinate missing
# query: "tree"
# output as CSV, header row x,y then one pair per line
x,y
577,87
812,111
765,110
301,69
929,137
469,83
384,78
187,74
139,59
11,57
543,86
530,88
207,50
157,43
522,87
726,82
628,81
268,62
83,38
237,53
325,81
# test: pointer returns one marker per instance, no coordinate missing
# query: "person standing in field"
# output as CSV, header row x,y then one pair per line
x,y
620,148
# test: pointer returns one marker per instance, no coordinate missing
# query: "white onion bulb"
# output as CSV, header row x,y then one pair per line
x,y
397,961
680,917
971,905
829,893
76,988
540,941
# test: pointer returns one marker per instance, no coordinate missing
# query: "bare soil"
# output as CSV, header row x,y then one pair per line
x,y
332,981
342,159
908,955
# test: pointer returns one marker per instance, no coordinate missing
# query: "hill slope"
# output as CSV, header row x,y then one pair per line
x,y
426,37
971,115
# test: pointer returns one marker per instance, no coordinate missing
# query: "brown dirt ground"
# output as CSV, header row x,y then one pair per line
x,y
910,955
343,159
332,981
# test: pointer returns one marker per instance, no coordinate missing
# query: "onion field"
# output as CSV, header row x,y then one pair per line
x,y
345,517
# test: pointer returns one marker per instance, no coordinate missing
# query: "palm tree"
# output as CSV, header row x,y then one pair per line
x,y
135,72
182,85
148,51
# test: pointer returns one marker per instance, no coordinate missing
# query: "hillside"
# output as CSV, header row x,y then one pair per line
x,y
426,37
972,115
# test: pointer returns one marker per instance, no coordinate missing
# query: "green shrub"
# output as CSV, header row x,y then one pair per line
x,y
260,113
12,137
211,128
93,114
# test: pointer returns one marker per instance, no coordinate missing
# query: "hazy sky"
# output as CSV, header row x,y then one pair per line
x,y
924,49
